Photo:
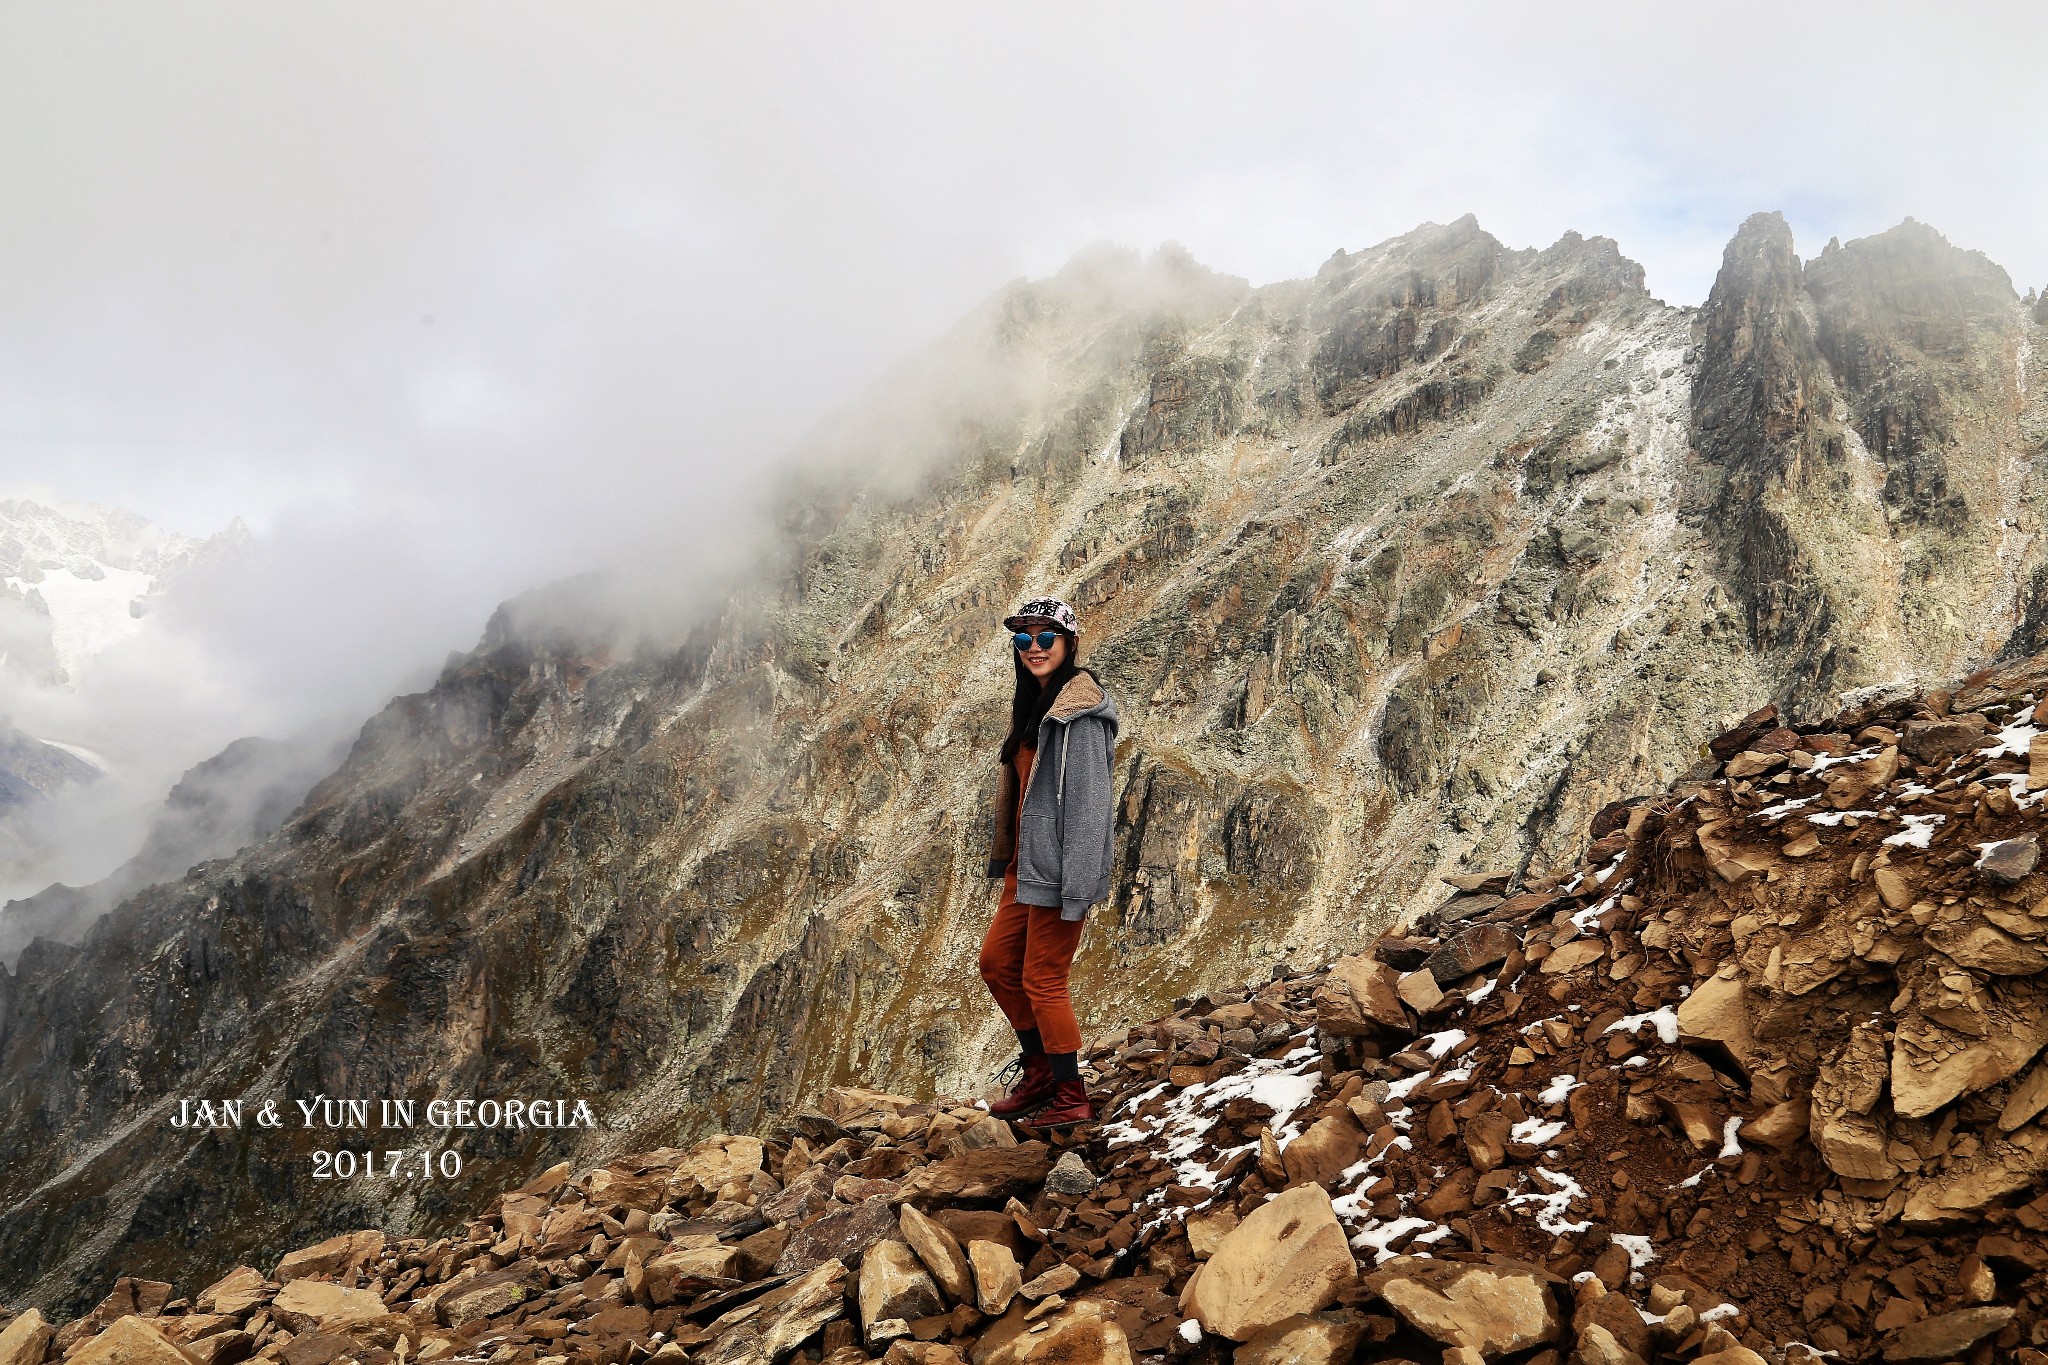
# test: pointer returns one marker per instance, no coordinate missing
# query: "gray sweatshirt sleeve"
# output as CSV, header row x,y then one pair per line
x,y
1089,816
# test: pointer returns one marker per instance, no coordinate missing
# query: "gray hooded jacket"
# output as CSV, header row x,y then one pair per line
x,y
1063,848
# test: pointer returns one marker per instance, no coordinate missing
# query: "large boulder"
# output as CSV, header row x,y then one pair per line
x,y
25,1339
997,1276
330,1307
331,1257
1288,1257
940,1251
894,1285
1305,1339
1493,1309
1946,1336
1359,997
132,1340
842,1235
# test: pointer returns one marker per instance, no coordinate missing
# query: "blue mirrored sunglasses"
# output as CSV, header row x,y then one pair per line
x,y
1044,638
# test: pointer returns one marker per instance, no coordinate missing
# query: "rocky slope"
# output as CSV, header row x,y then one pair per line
x,y
1408,568
1758,1078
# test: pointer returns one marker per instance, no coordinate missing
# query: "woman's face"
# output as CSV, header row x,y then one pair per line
x,y
1042,662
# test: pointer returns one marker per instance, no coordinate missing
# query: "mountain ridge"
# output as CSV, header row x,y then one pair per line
x,y
1399,570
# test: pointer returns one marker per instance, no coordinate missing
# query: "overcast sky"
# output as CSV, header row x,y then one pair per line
x,y
453,298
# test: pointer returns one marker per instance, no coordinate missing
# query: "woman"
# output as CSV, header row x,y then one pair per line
x,y
1051,847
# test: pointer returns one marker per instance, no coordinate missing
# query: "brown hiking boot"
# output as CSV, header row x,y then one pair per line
x,y
1069,1106
1034,1087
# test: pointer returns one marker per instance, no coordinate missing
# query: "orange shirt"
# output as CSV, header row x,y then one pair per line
x,y
1022,763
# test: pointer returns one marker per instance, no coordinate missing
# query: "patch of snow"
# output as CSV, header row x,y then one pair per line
x,y
1600,877
1639,1248
2011,742
1552,1207
1836,817
1190,1331
1536,1132
1826,761
1438,1044
80,752
1785,807
1586,920
1720,1311
1692,1179
1730,1146
1483,991
1664,1017
1919,829
1377,1238
1561,1085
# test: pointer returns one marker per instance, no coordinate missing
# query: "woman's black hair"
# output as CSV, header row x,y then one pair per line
x,y
1031,701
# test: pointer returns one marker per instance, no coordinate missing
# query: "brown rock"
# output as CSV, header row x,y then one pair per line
x,y
1945,1336
985,1132
1779,1127
1892,888
1749,763
1598,1346
1288,1257
236,1292
2009,861
1083,1333
1305,1339
1720,1011
222,1348
1058,1280
1493,1309
486,1296
985,1225
24,1340
2027,1100
1580,952
1207,1227
1486,1140
1938,741
1419,991
1474,949
893,1284
1360,997
940,1251
997,1276
840,1236
2001,1166
318,1348
992,1173
668,1277
330,1307
1319,1155
760,1333
331,1257
132,1340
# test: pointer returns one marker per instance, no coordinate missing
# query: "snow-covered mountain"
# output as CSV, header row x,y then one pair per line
x,y
78,579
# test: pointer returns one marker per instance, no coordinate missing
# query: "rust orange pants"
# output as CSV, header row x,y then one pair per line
x,y
1025,959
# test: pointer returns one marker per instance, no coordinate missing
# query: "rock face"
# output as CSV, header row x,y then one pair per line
x,y
1410,568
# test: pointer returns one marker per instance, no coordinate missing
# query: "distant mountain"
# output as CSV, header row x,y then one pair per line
x,y
75,581
240,795
1407,569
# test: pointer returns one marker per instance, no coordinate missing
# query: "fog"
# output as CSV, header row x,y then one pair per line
x,y
455,300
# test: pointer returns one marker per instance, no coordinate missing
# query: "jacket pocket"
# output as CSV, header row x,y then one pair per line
x,y
1038,849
